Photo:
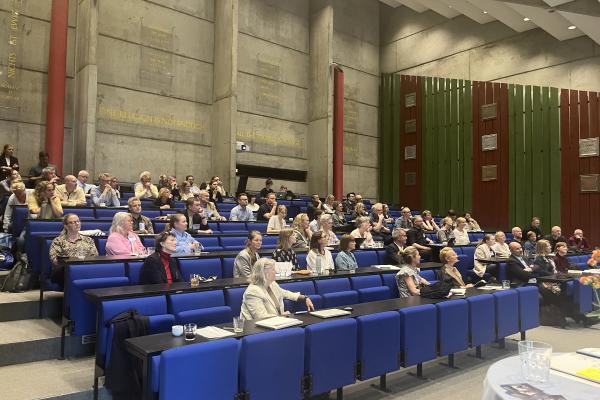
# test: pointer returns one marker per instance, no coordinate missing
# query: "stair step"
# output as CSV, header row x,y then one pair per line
x,y
21,306
50,379
26,341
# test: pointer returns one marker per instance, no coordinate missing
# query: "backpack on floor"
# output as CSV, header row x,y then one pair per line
x,y
19,279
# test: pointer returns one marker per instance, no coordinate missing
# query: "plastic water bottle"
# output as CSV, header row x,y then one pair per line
x,y
318,265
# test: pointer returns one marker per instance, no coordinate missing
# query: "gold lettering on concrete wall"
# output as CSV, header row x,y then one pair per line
x,y
267,95
351,115
133,117
156,59
265,140
9,77
157,37
268,67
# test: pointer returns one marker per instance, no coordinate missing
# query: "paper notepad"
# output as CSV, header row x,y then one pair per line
x,y
334,312
577,365
212,332
590,351
458,291
278,322
388,266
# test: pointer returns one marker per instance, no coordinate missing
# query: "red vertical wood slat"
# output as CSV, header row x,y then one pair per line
x,y
410,195
584,163
565,146
574,157
593,234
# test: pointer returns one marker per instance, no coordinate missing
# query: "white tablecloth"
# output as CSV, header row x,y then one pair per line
x,y
508,371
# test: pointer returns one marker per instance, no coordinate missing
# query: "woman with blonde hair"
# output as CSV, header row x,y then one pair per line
x,y
284,251
359,211
264,297
449,273
408,280
277,221
543,264
326,223
121,239
242,265
302,230
165,199
45,203
328,205
144,189
460,233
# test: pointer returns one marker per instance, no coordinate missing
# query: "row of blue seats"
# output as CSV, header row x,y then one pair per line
x,y
328,355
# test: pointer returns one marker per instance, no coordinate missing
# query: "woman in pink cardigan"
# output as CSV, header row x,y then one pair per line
x,y
122,241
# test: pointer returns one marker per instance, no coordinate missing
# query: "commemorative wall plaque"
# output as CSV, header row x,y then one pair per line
x,y
489,142
410,126
590,183
410,100
588,147
410,152
489,173
488,111
410,178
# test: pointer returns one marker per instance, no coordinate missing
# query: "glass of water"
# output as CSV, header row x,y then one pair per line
x,y
535,360
238,324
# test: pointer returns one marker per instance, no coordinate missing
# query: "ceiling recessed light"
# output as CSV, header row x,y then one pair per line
x,y
485,12
526,19
572,27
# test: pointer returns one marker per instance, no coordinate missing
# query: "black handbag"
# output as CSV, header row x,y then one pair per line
x,y
437,290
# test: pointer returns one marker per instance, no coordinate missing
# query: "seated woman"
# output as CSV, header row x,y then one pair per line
x,y
483,251
326,223
185,191
44,203
407,279
319,255
177,226
338,217
388,219
472,225
543,264
428,222
500,247
345,260
314,224
18,197
160,267
302,230
144,189
445,233
363,228
359,211
328,205
461,236
164,200
277,221
69,243
122,241
284,251
263,297
242,265
449,273
561,262
6,184
252,206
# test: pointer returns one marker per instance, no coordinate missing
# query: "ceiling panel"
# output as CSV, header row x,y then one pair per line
x,y
470,10
440,8
585,23
414,5
551,22
505,14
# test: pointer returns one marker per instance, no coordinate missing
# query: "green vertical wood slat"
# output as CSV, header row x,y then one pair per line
x,y
511,156
460,124
455,188
545,155
528,164
427,129
447,136
395,133
555,159
536,154
468,147
432,152
521,185
441,143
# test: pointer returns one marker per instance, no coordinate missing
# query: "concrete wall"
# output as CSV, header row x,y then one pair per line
x,y
431,45
23,79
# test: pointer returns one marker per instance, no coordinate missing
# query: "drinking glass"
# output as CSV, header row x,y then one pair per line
x,y
506,284
238,324
535,360
189,331
194,280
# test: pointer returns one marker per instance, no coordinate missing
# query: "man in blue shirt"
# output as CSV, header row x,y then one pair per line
x,y
104,195
241,212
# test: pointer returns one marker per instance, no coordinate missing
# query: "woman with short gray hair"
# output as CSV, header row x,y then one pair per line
x,y
263,298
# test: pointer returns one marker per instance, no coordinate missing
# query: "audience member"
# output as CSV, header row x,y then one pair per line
x,y
44,203
363,231
246,258
416,237
162,182
358,198
141,224
393,251
164,201
6,184
345,260
472,225
186,243
264,297
560,259
267,189
535,227
446,232
49,174
114,183
517,270
267,210
460,233
349,203
429,224
35,173
241,212
185,191
531,242
220,187
145,189
69,243
405,221
386,214
196,218
543,264
326,224
104,195
338,217
18,197
407,279
82,178
160,267
70,194
284,251
577,241
449,273
122,241
315,222
252,206
8,162
277,222
359,211
209,207
315,204
555,237
379,230
452,214
319,257
193,187
483,251
328,205
214,194
500,247
302,230
517,234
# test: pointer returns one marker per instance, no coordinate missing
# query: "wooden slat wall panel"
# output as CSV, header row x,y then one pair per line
x,y
490,199
555,160
389,163
580,119
410,195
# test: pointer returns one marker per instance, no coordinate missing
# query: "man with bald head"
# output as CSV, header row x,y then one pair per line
x,y
555,237
517,269
71,195
577,242
517,234
82,178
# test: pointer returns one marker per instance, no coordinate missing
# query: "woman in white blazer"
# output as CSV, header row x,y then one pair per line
x,y
484,251
263,297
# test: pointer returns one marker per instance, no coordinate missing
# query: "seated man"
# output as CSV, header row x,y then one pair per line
x,y
349,203
380,230
517,235
555,237
70,194
517,269
416,237
393,250
405,221
82,178
196,218
104,195
267,189
267,210
141,224
241,211
35,173
577,242
209,207
193,187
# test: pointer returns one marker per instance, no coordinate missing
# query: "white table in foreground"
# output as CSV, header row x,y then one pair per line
x,y
508,371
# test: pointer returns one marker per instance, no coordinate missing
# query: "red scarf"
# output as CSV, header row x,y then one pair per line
x,y
165,258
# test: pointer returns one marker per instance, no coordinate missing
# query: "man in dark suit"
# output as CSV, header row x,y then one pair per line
x,y
517,269
392,250
196,219
416,237
555,237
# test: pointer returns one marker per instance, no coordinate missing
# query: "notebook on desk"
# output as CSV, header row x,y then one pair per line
x,y
278,322
579,365
331,313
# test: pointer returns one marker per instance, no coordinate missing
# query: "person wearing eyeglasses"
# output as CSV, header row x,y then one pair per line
x,y
70,243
